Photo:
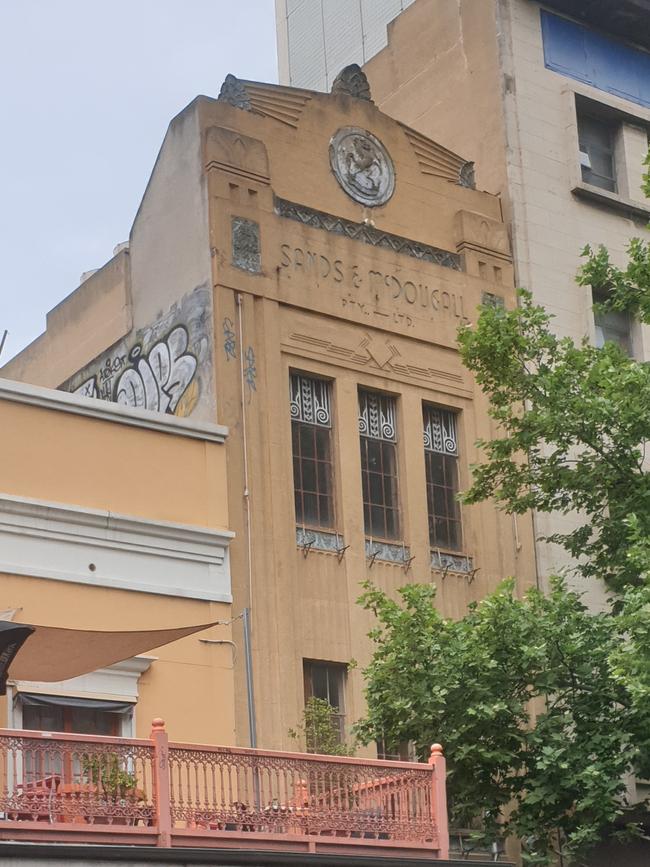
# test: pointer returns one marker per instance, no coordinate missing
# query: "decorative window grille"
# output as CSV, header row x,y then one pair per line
x,y
310,400
379,465
440,431
441,463
377,416
311,438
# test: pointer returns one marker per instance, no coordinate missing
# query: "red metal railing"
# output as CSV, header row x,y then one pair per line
x,y
62,787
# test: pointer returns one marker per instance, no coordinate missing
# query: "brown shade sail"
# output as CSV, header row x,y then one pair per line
x,y
51,653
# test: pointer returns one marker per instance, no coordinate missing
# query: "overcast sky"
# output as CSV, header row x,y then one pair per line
x,y
87,89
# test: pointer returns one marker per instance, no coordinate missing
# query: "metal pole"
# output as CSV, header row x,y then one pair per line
x,y
252,726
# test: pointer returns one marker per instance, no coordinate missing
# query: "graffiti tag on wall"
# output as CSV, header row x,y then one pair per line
x,y
162,369
157,380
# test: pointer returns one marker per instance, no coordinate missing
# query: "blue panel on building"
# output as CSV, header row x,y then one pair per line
x,y
583,54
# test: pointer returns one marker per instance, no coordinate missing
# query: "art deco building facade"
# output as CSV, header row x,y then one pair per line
x,y
297,272
552,101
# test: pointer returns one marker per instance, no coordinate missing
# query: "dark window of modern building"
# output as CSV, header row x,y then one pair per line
x,y
596,142
587,55
326,680
311,437
441,463
612,325
379,465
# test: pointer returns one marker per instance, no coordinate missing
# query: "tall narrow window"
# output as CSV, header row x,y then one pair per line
x,y
596,138
441,460
326,680
311,437
379,465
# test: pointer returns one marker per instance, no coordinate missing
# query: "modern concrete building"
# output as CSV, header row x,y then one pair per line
x,y
552,101
297,272
317,38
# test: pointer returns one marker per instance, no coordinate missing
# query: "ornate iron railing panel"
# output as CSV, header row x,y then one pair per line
x,y
79,779
225,789
83,788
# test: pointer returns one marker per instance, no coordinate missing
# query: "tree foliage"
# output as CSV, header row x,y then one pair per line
x,y
318,731
574,422
574,419
541,706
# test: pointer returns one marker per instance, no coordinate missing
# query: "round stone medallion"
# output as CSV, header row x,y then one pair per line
x,y
362,166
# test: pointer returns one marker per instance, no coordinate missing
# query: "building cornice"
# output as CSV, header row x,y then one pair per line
x,y
62,401
45,540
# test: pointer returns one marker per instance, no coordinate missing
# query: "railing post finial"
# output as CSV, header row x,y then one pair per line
x,y
439,798
161,782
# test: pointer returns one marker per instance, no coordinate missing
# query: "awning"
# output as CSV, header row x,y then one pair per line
x,y
32,699
50,653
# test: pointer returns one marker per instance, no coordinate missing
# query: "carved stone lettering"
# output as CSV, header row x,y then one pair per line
x,y
384,292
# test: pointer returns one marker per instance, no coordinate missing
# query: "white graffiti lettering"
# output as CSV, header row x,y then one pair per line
x,y
158,381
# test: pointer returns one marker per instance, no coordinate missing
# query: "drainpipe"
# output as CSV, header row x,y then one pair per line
x,y
252,723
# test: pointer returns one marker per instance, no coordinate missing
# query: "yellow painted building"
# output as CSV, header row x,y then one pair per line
x,y
297,271
98,531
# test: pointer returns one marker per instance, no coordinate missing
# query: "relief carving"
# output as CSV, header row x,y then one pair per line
x,y
352,81
362,166
234,93
478,231
246,252
367,234
236,153
374,352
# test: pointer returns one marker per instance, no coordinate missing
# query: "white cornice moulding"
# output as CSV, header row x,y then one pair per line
x,y
62,401
62,542
118,682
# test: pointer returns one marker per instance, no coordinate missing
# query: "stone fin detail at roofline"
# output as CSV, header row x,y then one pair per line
x,y
286,105
434,159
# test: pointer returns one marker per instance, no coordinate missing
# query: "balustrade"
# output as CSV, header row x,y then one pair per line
x,y
64,787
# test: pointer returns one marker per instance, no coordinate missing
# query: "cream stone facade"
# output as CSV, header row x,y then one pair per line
x,y
295,246
487,78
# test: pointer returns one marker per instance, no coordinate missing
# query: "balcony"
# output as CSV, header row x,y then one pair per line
x,y
84,789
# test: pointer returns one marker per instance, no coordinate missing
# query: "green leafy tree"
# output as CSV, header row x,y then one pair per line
x,y
542,708
319,731
574,419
